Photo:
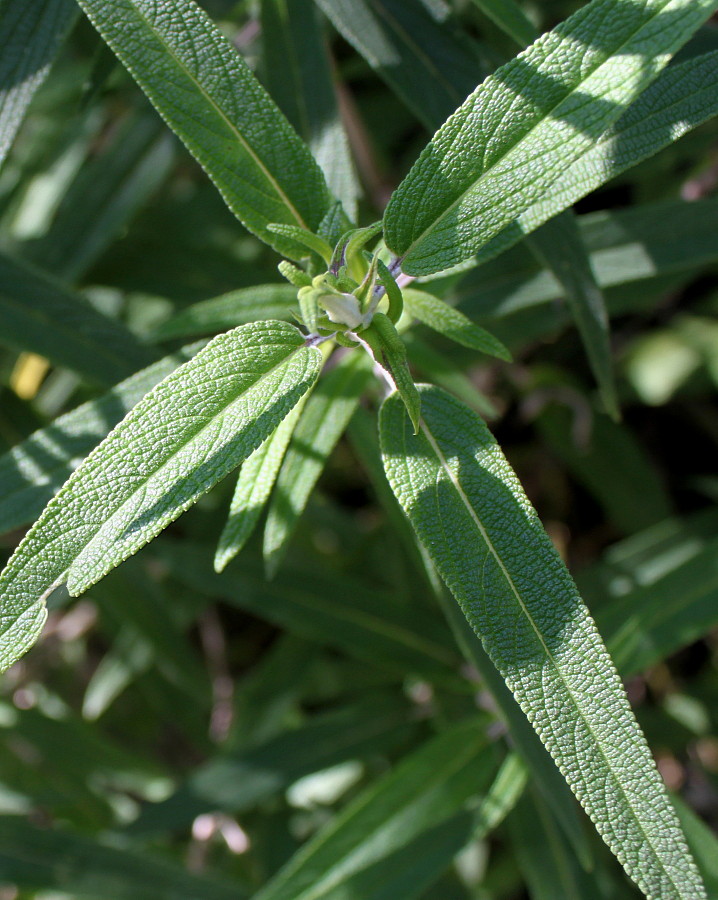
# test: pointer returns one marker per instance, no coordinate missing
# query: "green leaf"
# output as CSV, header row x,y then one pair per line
x,y
453,324
490,548
558,244
510,18
39,315
188,433
390,352
240,307
425,789
430,65
321,424
30,38
311,242
254,485
206,93
297,73
33,470
681,98
509,143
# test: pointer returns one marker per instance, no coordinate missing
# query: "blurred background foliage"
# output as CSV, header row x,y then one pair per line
x,y
178,733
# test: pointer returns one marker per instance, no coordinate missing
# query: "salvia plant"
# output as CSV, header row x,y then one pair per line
x,y
333,321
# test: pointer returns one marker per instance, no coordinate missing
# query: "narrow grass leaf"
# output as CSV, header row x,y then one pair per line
x,y
513,138
425,789
297,73
320,426
490,548
30,38
207,94
510,18
254,485
452,323
240,307
558,244
681,98
189,432
34,470
40,316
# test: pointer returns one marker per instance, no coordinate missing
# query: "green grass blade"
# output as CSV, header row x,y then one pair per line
x,y
321,424
558,244
681,98
30,38
425,789
39,315
189,432
490,548
254,485
431,66
206,93
34,470
297,73
512,139
263,301
452,323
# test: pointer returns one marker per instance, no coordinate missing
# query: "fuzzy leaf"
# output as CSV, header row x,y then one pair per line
x,y
514,137
188,433
207,94
471,514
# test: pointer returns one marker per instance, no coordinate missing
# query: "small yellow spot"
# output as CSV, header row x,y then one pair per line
x,y
28,374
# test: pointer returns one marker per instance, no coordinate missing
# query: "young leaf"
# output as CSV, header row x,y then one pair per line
x,y
30,37
558,244
33,470
183,437
681,98
320,426
490,548
206,93
240,307
41,316
254,485
513,138
452,323
311,242
297,73
392,352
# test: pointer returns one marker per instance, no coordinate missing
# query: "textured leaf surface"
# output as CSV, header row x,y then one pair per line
x,y
508,144
489,546
184,436
208,96
321,424
40,316
426,788
680,99
30,37
33,470
452,323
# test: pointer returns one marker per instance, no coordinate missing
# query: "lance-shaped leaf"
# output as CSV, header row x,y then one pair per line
x,y
680,99
33,470
511,140
452,323
189,432
510,18
30,37
207,94
40,316
321,424
488,544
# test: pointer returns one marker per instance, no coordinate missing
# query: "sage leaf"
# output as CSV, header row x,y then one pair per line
x,y
513,138
452,323
208,96
184,436
475,521
30,37
510,18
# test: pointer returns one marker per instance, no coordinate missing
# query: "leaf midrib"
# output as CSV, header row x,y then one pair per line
x,y
220,112
482,531
511,146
